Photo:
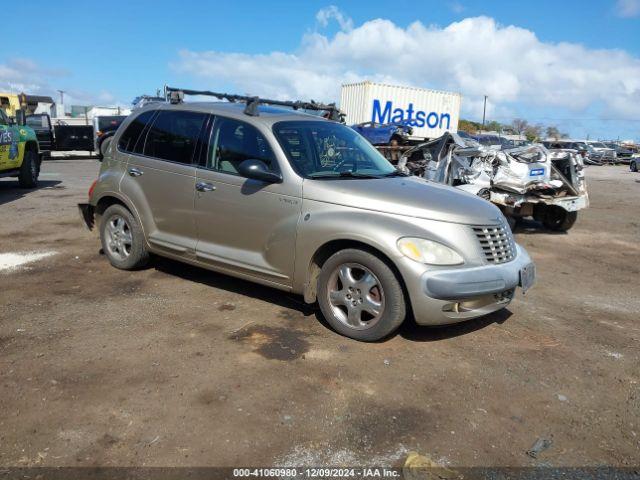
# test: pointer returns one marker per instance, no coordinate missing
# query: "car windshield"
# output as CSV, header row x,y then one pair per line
x,y
598,145
330,150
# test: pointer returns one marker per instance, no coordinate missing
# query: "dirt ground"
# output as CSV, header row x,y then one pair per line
x,y
174,365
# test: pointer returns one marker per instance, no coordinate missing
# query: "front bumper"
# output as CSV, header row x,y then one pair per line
x,y
515,200
444,296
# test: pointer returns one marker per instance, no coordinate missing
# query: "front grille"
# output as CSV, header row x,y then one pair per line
x,y
496,242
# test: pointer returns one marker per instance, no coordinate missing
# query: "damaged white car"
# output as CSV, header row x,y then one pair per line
x,y
528,181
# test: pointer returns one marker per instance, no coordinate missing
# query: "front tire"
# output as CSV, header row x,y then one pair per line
x,y
360,296
123,239
29,170
558,219
633,166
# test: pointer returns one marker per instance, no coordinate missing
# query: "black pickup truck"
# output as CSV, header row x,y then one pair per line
x,y
65,138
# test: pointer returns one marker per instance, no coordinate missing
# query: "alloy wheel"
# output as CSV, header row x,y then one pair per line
x,y
119,239
356,296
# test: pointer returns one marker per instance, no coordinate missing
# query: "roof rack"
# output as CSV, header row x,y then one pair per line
x,y
176,95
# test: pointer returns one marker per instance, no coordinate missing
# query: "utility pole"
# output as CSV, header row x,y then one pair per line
x,y
61,113
484,111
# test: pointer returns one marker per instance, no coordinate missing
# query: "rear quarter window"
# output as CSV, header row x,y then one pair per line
x,y
129,138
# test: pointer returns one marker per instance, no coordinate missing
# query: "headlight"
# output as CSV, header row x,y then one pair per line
x,y
429,252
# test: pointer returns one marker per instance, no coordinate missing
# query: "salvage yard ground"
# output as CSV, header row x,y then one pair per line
x,y
174,365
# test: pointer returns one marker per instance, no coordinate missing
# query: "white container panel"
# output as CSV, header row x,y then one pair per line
x,y
430,112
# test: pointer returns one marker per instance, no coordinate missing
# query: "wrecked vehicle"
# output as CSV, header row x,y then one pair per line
x,y
525,181
607,154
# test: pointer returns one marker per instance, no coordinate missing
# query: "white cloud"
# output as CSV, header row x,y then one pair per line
x,y
475,56
22,75
332,12
456,7
627,8
19,75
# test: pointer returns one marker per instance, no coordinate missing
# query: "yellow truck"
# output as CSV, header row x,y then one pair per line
x,y
19,151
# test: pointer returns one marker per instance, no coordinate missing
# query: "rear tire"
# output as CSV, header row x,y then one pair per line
x,y
360,296
29,170
558,219
122,239
633,166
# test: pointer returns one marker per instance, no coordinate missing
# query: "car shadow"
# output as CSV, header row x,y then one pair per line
x,y
409,329
10,191
232,284
532,227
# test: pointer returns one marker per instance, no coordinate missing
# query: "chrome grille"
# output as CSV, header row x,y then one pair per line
x,y
496,242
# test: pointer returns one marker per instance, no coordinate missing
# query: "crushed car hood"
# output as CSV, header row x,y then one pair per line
x,y
411,196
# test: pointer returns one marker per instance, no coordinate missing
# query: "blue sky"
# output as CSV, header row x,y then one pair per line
x,y
573,64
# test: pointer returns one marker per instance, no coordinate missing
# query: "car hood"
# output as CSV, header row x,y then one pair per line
x,y
411,196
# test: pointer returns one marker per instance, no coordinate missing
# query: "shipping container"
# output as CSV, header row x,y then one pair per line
x,y
430,112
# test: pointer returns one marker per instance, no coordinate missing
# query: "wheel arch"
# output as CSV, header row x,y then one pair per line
x,y
106,201
330,247
31,145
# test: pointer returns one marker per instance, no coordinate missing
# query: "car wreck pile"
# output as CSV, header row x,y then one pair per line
x,y
548,185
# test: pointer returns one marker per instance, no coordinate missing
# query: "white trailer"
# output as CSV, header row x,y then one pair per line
x,y
431,113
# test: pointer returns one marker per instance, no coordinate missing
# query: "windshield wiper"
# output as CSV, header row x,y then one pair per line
x,y
397,173
343,174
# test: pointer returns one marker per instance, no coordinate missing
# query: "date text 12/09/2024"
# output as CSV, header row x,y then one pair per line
x,y
372,472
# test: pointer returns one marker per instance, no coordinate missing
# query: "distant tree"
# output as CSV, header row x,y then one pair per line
x,y
533,132
468,126
493,126
553,132
519,125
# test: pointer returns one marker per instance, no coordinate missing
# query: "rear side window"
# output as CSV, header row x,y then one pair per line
x,y
233,142
130,136
174,135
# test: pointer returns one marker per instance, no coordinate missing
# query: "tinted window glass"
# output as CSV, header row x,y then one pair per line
x,y
173,135
130,136
233,142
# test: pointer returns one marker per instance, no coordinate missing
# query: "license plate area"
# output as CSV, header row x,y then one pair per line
x,y
527,277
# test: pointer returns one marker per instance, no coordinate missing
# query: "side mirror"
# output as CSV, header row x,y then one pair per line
x,y
20,117
258,170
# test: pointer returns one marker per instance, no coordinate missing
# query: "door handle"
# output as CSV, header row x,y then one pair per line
x,y
205,187
134,172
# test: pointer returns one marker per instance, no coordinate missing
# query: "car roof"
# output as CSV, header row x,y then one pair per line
x,y
266,114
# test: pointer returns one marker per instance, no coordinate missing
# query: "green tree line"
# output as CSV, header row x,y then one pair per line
x,y
518,126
